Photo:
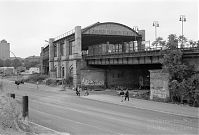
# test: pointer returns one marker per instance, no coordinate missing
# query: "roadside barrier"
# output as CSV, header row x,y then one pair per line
x,y
25,113
25,110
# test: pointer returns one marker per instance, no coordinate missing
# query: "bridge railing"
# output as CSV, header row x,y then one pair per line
x,y
64,35
138,53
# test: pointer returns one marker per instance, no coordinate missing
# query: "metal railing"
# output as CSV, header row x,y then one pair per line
x,y
64,35
138,53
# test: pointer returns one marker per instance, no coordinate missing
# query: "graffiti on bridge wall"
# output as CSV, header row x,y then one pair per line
x,y
159,93
92,82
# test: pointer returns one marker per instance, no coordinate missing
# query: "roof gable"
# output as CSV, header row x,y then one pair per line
x,y
109,28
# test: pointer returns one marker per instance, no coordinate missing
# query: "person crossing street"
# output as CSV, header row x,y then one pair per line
x,y
122,95
126,95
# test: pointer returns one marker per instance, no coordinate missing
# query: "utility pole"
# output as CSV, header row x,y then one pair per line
x,y
156,24
135,28
182,19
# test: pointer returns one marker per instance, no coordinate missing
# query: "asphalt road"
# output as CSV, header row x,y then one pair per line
x,y
64,112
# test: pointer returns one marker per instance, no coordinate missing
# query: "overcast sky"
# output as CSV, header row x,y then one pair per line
x,y
27,24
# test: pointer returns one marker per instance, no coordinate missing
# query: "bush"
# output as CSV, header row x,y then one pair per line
x,y
36,77
69,81
51,82
186,91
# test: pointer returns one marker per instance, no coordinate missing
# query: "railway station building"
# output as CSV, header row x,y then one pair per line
x,y
99,55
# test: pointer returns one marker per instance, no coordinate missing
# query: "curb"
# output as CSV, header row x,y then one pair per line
x,y
55,132
167,112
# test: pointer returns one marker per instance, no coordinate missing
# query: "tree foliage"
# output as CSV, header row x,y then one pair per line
x,y
172,42
182,40
159,42
10,63
29,64
183,82
7,63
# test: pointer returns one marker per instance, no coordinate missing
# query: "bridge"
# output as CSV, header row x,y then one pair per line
x,y
149,56
109,54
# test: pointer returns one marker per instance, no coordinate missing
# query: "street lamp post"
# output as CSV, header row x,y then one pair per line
x,y
135,28
156,24
182,19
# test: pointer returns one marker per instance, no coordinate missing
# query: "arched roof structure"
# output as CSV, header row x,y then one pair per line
x,y
109,28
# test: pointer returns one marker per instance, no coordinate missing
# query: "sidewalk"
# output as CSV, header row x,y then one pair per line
x,y
44,87
149,105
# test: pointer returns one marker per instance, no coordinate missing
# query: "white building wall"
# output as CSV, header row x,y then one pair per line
x,y
33,70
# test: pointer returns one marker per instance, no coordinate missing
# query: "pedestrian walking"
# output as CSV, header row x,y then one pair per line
x,y
86,92
126,95
77,91
122,95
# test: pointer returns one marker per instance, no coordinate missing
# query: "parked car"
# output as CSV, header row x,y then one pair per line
x,y
17,82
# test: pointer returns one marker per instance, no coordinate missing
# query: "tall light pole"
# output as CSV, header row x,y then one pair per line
x,y
156,24
182,19
135,28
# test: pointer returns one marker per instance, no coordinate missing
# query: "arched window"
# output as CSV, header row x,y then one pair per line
x,y
55,68
71,71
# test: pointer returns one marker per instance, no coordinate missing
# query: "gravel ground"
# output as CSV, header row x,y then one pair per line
x,y
11,132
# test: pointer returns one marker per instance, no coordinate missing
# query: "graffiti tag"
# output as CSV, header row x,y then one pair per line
x,y
92,82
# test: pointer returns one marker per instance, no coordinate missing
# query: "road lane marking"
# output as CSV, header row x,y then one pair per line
x,y
59,133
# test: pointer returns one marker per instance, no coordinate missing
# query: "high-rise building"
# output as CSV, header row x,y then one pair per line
x,y
4,50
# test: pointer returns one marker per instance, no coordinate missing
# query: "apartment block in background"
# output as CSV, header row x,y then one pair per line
x,y
4,50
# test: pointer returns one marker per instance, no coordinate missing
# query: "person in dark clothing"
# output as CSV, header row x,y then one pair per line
x,y
126,95
77,91
122,94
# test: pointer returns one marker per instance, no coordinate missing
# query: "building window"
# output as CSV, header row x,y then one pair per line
x,y
55,69
62,49
55,51
113,76
131,46
71,44
71,71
